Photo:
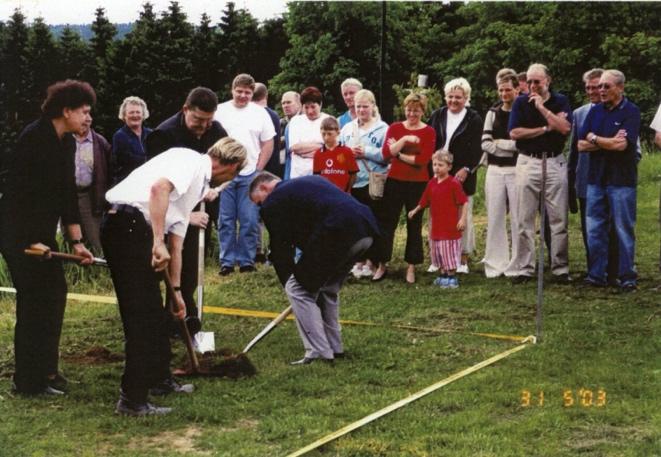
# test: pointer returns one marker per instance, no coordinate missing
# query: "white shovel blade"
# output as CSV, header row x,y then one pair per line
x,y
204,342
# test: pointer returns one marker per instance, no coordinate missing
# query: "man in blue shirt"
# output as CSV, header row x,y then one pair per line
x,y
609,134
332,230
539,123
349,87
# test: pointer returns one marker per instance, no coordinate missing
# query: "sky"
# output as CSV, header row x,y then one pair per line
x,y
121,11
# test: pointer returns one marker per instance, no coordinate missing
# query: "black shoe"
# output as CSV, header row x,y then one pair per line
x,y
521,279
170,385
563,279
247,269
339,355
628,287
589,282
126,407
48,390
260,258
225,271
59,382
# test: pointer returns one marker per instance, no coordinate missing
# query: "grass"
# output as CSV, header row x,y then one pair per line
x,y
593,340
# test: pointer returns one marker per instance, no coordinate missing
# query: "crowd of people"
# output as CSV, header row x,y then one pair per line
x,y
329,191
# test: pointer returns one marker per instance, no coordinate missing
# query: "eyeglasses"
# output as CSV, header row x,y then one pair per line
x,y
604,86
591,87
534,81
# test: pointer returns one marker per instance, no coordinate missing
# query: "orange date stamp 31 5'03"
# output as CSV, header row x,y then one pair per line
x,y
584,398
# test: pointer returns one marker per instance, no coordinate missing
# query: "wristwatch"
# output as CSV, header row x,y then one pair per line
x,y
75,242
593,139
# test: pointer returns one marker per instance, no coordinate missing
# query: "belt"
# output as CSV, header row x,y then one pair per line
x,y
125,209
82,190
538,155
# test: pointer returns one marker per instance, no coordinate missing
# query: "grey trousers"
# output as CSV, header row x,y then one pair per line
x,y
90,224
318,313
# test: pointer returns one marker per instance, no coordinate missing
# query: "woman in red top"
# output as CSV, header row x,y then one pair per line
x,y
409,145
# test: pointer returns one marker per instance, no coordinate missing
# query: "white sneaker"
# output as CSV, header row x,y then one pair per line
x,y
432,269
357,271
462,269
366,272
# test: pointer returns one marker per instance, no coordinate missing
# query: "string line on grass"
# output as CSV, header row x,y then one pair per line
x,y
411,398
271,315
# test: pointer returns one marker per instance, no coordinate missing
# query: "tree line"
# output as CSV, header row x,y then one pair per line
x,y
321,44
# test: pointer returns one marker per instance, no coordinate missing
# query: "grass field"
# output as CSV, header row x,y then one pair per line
x,y
601,351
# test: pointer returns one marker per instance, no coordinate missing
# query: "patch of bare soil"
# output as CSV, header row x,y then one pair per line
x,y
94,355
179,441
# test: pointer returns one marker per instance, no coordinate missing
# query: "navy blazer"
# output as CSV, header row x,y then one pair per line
x,y
313,215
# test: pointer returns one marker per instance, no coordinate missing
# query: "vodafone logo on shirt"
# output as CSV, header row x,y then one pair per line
x,y
329,163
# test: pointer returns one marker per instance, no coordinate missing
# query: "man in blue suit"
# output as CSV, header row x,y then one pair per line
x,y
332,230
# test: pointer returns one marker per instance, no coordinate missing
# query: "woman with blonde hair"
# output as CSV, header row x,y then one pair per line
x,y
128,143
365,136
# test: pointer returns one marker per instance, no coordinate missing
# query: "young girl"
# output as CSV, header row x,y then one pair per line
x,y
448,203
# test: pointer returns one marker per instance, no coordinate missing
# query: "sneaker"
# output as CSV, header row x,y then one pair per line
x,y
170,385
453,282
562,279
357,271
247,269
48,390
442,282
126,407
521,279
59,383
367,272
628,287
463,269
432,269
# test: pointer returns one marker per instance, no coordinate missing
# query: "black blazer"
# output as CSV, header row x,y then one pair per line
x,y
465,144
313,215
40,187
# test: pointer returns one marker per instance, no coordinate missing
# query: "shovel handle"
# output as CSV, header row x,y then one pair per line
x,y
63,256
185,334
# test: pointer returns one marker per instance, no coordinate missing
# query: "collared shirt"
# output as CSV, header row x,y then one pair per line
x,y
84,160
524,114
187,170
614,168
656,122
344,119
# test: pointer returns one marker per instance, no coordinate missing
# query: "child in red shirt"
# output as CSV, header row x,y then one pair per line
x,y
448,207
334,162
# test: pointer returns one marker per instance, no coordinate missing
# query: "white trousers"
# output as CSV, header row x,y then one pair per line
x,y
468,235
500,192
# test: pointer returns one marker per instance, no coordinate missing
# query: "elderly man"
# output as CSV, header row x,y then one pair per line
x,y
577,167
291,106
349,87
92,162
251,126
156,200
261,97
194,128
332,229
539,123
610,134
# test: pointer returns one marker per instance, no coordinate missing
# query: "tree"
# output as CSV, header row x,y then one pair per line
x,y
205,64
237,45
75,56
101,41
17,111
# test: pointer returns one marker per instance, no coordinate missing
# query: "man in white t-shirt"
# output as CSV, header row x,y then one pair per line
x,y
251,126
156,200
656,126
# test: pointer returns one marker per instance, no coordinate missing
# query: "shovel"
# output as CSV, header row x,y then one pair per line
x,y
203,341
281,317
48,254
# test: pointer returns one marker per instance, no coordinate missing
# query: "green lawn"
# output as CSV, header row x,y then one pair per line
x,y
595,342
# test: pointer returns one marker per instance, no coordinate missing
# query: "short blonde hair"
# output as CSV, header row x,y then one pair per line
x,y
365,94
133,100
443,155
351,82
460,84
415,98
228,151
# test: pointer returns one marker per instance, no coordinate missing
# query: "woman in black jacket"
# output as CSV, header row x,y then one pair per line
x,y
459,131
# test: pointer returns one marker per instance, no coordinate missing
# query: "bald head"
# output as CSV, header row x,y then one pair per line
x,y
291,104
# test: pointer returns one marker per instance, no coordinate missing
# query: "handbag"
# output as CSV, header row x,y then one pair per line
x,y
376,182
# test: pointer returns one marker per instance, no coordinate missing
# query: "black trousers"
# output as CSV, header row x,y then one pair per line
x,y
377,252
127,244
406,194
41,292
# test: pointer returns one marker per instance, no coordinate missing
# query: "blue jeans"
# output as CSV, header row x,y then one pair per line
x,y
236,206
616,205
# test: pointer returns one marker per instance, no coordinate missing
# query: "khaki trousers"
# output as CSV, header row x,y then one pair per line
x,y
528,187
